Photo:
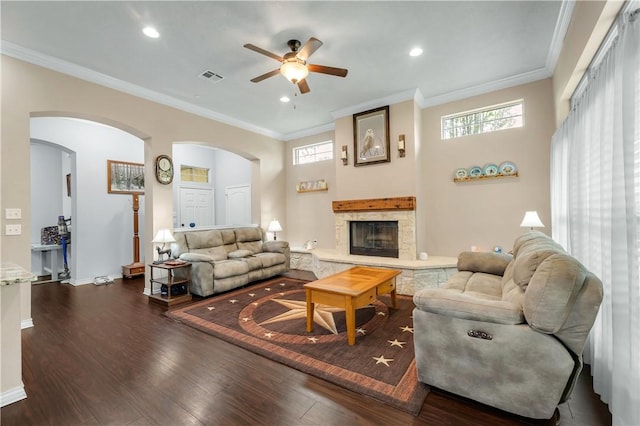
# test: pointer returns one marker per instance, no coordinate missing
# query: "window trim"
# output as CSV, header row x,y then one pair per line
x,y
296,157
488,108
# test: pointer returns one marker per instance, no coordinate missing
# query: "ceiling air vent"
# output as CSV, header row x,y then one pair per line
x,y
211,76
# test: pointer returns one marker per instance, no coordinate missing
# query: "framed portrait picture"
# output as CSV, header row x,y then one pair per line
x,y
125,178
371,137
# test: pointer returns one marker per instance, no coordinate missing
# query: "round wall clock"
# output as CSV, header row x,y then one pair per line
x,y
164,169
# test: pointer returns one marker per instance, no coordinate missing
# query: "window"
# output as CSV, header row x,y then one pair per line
x,y
194,174
313,153
484,120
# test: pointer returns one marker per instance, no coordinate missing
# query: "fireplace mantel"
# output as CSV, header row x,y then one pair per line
x,y
375,204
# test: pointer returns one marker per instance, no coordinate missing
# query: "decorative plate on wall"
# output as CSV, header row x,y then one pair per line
x,y
508,168
475,171
461,173
490,170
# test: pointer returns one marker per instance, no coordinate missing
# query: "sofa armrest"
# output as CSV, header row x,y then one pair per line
x,y
275,246
196,257
453,303
489,263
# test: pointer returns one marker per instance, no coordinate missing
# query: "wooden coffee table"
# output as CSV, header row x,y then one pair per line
x,y
350,290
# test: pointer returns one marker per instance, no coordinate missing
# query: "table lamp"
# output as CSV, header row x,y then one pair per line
x,y
274,226
163,236
531,220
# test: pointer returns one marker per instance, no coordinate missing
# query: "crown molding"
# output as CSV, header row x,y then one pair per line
x,y
559,33
375,103
55,64
481,89
309,132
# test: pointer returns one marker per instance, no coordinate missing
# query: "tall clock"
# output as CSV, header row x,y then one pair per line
x,y
164,169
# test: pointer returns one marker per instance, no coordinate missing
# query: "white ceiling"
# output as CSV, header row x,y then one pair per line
x,y
469,48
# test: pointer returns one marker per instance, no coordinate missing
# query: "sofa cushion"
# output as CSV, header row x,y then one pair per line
x,y
229,268
216,253
248,234
525,264
238,254
270,259
228,236
552,291
491,263
203,239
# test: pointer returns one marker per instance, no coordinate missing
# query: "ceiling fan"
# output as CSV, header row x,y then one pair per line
x,y
294,64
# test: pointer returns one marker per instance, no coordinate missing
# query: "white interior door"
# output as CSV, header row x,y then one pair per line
x,y
196,207
238,204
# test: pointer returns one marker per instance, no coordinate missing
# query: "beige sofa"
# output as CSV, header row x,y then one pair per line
x,y
223,259
508,331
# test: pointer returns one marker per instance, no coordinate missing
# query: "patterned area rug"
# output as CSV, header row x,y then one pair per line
x,y
269,318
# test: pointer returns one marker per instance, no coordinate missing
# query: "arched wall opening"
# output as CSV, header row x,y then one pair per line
x,y
101,222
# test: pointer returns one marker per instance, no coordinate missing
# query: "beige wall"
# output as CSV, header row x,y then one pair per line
x,y
394,179
31,90
486,213
309,214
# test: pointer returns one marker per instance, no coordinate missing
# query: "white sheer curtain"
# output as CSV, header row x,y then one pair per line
x,y
595,180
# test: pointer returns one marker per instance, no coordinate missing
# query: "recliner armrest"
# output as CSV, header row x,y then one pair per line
x,y
196,257
453,303
275,246
487,262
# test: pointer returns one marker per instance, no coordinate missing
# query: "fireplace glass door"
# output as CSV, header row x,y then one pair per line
x,y
374,238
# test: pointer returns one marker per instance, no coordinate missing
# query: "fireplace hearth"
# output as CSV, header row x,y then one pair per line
x,y
374,238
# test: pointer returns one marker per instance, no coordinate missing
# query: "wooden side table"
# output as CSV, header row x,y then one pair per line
x,y
170,280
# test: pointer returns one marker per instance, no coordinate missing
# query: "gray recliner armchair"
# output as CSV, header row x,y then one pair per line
x,y
508,331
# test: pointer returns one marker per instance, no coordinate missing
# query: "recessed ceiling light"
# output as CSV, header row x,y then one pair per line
x,y
284,99
151,32
416,51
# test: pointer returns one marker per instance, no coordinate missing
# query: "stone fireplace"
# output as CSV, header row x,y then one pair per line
x,y
399,210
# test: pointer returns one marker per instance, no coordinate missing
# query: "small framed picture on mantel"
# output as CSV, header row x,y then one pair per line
x,y
371,142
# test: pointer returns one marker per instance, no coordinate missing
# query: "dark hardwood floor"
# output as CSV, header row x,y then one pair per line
x,y
104,355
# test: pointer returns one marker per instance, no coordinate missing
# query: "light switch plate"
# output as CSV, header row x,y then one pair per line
x,y
13,230
13,213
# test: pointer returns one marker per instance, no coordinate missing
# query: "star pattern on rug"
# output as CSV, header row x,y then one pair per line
x,y
268,335
407,328
382,360
322,314
233,301
381,313
245,319
267,289
211,308
313,339
252,295
360,330
395,342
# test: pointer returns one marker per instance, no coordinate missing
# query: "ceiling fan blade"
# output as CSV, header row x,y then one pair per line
x,y
303,86
264,52
265,76
338,72
309,47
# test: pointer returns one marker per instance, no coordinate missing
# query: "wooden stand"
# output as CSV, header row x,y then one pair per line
x,y
169,281
136,268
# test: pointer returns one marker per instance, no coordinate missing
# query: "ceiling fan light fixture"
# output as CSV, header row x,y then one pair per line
x,y
294,70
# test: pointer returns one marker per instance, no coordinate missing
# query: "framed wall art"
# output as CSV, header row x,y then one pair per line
x,y
125,178
312,185
371,137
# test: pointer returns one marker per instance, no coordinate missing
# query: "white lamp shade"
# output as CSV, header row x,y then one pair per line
x,y
164,236
531,220
274,226
294,71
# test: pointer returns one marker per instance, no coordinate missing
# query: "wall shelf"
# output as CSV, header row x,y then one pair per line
x,y
482,178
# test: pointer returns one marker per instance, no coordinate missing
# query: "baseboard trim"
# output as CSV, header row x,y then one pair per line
x,y
26,323
12,395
